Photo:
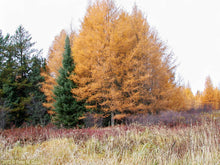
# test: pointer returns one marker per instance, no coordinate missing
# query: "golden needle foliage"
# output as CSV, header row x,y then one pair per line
x,y
54,62
189,98
121,65
208,94
211,96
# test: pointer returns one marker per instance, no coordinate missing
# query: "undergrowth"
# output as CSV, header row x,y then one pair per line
x,y
197,143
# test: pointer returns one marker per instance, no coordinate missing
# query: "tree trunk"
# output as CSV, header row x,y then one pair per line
x,y
112,119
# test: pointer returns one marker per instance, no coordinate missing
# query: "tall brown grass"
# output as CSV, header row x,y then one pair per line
x,y
136,144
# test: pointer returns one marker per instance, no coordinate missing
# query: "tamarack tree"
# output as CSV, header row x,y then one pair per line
x,y
122,67
210,97
51,71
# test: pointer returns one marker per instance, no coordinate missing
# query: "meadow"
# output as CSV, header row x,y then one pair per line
x,y
173,141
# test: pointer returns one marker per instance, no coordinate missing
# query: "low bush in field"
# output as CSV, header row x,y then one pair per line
x,y
170,118
31,135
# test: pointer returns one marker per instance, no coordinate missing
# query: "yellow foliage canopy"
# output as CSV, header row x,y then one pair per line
x,y
121,65
211,96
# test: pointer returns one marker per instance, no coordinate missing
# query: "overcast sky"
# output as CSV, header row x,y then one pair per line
x,y
191,28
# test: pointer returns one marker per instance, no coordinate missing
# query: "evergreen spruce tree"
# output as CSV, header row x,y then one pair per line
x,y
3,48
67,109
16,87
4,44
37,113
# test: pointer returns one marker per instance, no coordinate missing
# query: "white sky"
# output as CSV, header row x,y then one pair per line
x,y
191,28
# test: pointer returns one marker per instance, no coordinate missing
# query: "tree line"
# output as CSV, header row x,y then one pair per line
x,y
20,96
115,66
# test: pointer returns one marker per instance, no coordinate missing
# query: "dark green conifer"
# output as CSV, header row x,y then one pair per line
x,y
67,109
19,75
37,113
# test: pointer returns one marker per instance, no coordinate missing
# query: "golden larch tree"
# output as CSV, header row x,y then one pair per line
x,y
208,98
216,99
121,65
189,98
182,99
198,100
54,62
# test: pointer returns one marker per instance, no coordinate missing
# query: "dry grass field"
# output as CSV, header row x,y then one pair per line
x,y
192,144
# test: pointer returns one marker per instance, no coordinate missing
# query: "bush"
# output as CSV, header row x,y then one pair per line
x,y
169,118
